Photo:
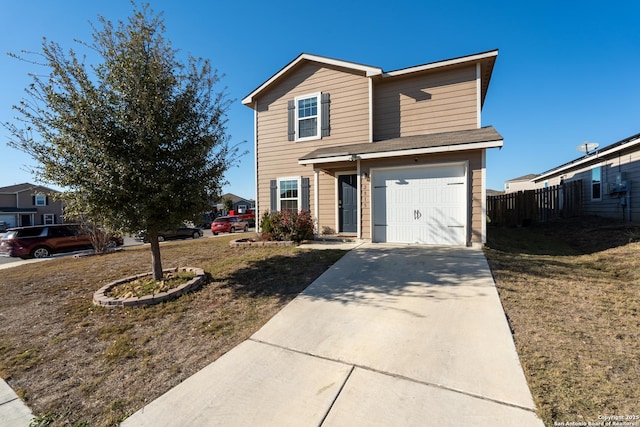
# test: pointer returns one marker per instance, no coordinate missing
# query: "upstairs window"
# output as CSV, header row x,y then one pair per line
x,y
596,183
308,117
40,200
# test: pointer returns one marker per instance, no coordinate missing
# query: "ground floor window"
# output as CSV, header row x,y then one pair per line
x,y
48,219
288,190
289,194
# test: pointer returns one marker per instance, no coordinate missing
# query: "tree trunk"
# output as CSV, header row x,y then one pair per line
x,y
156,261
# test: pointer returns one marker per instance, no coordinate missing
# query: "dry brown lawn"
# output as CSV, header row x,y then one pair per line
x,y
571,291
74,363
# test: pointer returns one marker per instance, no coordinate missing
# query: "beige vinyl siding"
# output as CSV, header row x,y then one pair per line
x,y
474,159
349,121
365,201
327,195
8,200
415,105
627,162
25,199
476,184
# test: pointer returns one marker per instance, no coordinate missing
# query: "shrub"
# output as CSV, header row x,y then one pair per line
x,y
288,225
266,222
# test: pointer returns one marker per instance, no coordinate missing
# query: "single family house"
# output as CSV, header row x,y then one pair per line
x,y
521,183
610,179
239,204
386,156
29,204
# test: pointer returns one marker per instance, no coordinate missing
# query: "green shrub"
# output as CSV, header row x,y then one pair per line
x,y
265,222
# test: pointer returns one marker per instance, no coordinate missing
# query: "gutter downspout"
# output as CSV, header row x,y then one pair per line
x,y
370,109
316,199
359,201
479,95
255,163
359,178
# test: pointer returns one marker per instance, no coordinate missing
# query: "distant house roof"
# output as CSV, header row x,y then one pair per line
x,y
26,186
486,137
527,177
593,156
485,59
234,198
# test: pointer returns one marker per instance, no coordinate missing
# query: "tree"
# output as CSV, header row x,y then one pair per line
x,y
228,204
139,140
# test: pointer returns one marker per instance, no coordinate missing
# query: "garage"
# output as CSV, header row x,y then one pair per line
x,y
9,220
424,205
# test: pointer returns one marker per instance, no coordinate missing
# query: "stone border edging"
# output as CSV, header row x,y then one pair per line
x,y
100,296
243,243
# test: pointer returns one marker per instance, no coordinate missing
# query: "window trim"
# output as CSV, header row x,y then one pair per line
x,y
298,180
593,183
40,200
48,217
318,116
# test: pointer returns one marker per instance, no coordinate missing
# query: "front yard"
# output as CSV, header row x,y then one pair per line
x,y
571,291
78,364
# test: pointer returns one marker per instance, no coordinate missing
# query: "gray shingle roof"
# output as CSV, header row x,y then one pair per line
x,y
443,139
527,177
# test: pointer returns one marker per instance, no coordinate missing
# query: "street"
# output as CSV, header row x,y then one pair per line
x,y
128,242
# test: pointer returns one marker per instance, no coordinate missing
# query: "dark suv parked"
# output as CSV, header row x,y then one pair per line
x,y
41,241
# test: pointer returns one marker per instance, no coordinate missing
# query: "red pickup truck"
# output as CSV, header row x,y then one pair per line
x,y
249,216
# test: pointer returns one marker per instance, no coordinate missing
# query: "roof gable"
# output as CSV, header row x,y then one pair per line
x,y
527,177
486,60
306,57
235,199
26,186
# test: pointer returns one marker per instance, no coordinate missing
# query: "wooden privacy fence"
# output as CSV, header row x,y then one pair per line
x,y
539,205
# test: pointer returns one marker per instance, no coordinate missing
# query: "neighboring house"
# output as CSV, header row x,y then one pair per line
x,y
394,156
240,205
29,204
520,184
610,179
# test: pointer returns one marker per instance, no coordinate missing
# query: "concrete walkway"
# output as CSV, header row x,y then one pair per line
x,y
13,411
390,335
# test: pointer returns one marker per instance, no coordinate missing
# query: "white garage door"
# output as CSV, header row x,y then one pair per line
x,y
425,205
10,220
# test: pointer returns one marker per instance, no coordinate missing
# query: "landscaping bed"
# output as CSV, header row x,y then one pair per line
x,y
75,363
571,292
142,289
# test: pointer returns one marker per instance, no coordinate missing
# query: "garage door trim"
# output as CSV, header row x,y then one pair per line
x,y
386,169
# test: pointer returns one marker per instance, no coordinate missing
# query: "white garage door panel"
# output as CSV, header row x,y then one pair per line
x,y
421,205
10,220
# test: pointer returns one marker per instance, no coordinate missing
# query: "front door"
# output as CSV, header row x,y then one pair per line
x,y
25,220
348,203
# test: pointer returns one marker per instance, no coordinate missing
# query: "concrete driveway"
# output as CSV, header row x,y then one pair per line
x,y
389,336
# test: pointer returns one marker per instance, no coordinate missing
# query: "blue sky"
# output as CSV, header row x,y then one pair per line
x,y
567,71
